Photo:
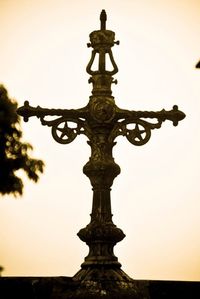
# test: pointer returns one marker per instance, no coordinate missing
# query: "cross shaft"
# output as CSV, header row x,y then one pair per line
x,y
102,121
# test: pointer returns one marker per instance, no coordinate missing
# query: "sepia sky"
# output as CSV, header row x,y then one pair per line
x,y
156,198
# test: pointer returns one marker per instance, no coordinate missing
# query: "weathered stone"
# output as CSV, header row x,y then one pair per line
x,y
67,288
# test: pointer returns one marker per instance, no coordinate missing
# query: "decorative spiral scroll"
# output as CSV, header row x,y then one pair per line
x,y
102,109
140,134
62,133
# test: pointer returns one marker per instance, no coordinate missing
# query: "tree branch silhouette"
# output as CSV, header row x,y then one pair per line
x,y
14,154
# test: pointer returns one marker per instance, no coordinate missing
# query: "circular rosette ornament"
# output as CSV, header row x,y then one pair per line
x,y
138,133
65,131
102,109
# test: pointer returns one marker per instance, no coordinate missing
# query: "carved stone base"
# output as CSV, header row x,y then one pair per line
x,y
103,281
102,274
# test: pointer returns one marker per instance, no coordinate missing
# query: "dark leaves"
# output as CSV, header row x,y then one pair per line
x,y
14,154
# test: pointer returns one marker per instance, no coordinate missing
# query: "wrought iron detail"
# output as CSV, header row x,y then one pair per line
x,y
102,121
61,130
102,109
140,134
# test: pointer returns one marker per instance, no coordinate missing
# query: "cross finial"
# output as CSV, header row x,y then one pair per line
x,y
103,18
102,121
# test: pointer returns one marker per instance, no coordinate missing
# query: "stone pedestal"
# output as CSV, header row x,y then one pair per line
x,y
67,288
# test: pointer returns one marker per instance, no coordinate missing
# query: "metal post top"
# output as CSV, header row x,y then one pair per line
x,y
103,19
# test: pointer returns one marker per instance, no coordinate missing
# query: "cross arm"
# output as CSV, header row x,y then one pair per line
x,y
136,126
27,111
173,115
65,127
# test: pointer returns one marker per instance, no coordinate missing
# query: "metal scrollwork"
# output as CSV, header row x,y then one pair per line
x,y
137,131
61,130
62,133
102,109
140,134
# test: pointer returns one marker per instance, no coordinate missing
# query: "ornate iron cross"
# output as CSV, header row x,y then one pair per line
x,y
102,121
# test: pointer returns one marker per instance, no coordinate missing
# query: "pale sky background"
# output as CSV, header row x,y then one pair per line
x,y
156,198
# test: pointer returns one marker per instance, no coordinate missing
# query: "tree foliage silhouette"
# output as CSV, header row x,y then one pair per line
x,y
14,154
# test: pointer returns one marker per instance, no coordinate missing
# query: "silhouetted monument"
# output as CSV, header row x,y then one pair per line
x,y
102,121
